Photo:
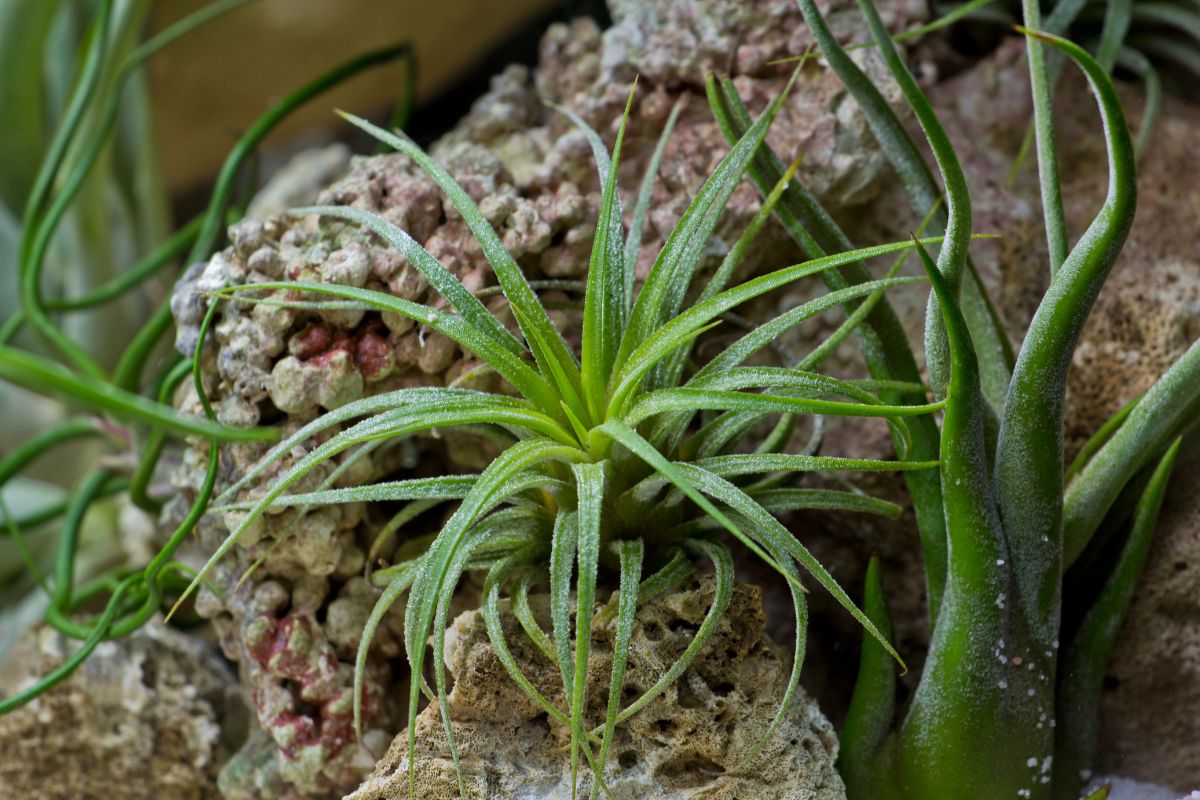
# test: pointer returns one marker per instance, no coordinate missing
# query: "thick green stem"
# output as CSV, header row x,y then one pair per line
x,y
1029,453
986,677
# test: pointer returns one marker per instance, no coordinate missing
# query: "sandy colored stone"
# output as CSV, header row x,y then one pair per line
x,y
150,716
684,744
1150,729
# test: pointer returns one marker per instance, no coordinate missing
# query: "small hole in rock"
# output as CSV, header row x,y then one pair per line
x,y
627,760
1111,681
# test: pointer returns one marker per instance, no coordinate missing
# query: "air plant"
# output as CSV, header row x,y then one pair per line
x,y
1030,565
134,418
628,464
622,460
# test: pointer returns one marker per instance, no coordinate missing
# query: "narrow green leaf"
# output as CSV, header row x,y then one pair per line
x,y
722,563
781,539
1029,450
746,759
633,241
604,309
1135,61
427,589
666,400
629,553
589,487
667,337
496,578
398,586
1169,408
523,378
880,335
873,704
1117,16
553,356
671,275
524,614
47,377
443,282
1047,153
953,255
562,562
1085,659
427,396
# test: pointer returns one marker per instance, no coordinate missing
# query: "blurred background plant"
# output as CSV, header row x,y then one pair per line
x,y
88,250
120,213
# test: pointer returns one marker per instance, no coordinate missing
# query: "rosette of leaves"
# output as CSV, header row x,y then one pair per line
x,y
1030,563
623,462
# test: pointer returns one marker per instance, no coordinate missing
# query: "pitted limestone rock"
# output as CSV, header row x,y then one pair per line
x,y
684,744
149,716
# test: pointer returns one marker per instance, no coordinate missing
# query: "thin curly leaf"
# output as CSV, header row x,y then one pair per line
x,y
778,538
427,589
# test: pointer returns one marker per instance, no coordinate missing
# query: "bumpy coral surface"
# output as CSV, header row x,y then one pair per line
x,y
685,744
292,625
146,717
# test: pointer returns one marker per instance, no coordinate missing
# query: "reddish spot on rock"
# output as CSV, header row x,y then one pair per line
x,y
311,341
374,354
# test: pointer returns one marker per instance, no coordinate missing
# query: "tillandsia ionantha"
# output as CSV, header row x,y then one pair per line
x,y
1030,564
623,460
133,416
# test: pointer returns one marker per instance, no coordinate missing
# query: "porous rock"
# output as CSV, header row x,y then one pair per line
x,y
686,743
149,716
1149,726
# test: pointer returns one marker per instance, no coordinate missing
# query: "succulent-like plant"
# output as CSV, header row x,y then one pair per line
x,y
619,460
1030,565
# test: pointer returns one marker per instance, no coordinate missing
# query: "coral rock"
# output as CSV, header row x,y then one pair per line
x,y
148,716
684,744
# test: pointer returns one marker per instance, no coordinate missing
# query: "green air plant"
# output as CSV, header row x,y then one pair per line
x,y
132,417
1030,565
623,459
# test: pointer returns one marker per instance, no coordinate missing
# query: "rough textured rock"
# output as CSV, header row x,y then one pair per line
x,y
150,716
531,173
682,745
1149,722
